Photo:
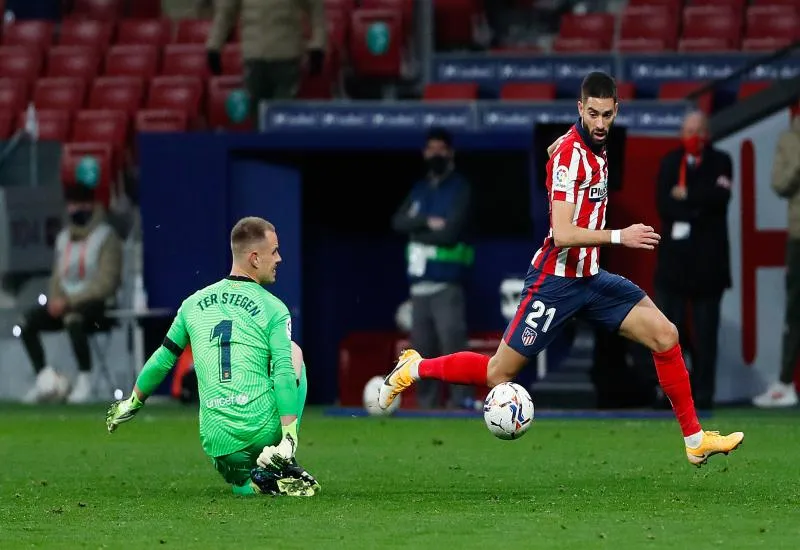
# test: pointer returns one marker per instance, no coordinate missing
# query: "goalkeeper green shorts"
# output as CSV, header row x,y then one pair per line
x,y
235,467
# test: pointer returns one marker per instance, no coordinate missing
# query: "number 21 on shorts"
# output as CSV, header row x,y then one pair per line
x,y
539,310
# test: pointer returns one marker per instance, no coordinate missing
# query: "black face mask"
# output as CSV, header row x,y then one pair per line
x,y
438,164
81,217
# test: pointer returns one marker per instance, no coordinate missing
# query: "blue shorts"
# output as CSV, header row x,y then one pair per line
x,y
548,302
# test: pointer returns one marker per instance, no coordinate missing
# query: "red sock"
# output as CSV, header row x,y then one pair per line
x,y
674,380
464,367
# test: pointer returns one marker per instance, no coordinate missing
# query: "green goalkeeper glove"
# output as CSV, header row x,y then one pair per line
x,y
280,456
122,411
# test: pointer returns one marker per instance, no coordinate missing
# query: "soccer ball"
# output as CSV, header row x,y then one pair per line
x,y
371,398
508,411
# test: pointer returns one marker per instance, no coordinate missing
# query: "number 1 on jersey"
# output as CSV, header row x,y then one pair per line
x,y
223,332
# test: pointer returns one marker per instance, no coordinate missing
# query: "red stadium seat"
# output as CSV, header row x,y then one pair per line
x,y
54,125
595,26
99,126
405,7
454,22
132,60
780,22
712,21
73,61
85,32
232,59
746,89
13,94
161,120
18,62
67,93
626,91
71,155
578,45
104,10
766,44
651,24
673,4
387,64
792,3
6,125
143,9
155,32
219,87
736,5
185,60
450,91
680,90
28,34
117,93
184,93
192,31
641,45
709,44
528,91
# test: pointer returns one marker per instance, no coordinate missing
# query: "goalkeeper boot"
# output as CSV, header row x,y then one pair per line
x,y
713,443
403,376
296,471
273,483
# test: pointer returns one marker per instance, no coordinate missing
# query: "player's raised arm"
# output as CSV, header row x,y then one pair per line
x,y
153,373
279,333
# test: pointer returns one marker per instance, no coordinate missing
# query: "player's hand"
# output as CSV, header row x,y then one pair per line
x,y
678,193
122,411
57,307
640,236
280,456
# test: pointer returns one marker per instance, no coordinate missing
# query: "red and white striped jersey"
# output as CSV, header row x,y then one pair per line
x,y
576,173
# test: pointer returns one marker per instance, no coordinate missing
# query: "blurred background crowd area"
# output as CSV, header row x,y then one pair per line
x,y
156,111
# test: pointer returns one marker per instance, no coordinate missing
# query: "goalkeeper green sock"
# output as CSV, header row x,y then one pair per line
x,y
246,489
302,389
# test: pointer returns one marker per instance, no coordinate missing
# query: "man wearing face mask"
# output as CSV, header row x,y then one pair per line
x,y
86,274
436,217
694,188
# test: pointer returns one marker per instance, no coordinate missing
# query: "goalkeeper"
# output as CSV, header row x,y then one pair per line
x,y
250,375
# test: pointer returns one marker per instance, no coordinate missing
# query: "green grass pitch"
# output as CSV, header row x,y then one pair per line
x,y
399,483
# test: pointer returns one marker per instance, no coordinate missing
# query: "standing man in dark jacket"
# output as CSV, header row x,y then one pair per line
x,y
436,218
694,188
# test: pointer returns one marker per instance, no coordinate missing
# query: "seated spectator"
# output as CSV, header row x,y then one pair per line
x,y
85,277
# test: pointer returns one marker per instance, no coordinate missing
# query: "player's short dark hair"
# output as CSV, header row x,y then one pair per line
x,y
440,134
249,231
600,85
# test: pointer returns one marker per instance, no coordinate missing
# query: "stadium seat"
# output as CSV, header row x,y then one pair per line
x,y
132,60
143,9
192,31
578,45
680,90
650,23
18,62
100,126
67,93
184,93
338,32
405,7
104,10
450,91
161,120
528,91
232,59
54,125
219,87
346,7
708,44
709,21
454,22
117,93
641,45
736,5
780,22
765,44
73,61
386,64
676,5
746,89
6,125
13,94
185,60
626,91
85,32
28,34
792,3
155,32
71,155
594,26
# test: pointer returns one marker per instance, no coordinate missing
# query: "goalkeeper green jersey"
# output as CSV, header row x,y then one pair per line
x,y
241,344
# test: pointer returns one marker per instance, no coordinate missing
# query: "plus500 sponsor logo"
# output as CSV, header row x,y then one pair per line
x,y
221,402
